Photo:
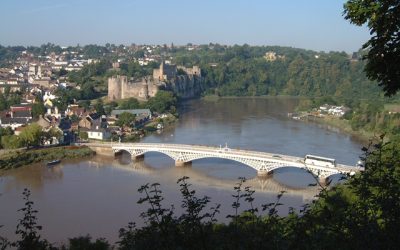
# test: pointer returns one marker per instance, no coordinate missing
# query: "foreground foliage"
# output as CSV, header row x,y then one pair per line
x,y
382,18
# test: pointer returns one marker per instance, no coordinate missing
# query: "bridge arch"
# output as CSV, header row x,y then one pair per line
x,y
121,151
137,153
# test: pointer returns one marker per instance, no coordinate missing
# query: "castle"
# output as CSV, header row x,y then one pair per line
x,y
186,82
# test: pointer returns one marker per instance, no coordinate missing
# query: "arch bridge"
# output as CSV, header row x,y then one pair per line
x,y
264,163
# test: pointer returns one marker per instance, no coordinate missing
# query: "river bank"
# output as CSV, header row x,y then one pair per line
x,y
341,125
21,158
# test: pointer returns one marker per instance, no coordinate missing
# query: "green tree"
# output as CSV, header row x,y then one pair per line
x,y
5,132
382,18
31,135
3,102
131,103
99,107
162,101
83,135
38,109
125,119
11,142
74,118
53,132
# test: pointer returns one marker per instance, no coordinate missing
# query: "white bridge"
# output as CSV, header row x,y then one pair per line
x,y
263,163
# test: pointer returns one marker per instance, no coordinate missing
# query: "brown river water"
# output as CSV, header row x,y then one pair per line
x,y
98,195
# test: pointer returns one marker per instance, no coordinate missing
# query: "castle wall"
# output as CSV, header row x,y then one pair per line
x,y
195,70
169,71
135,89
185,86
157,74
154,87
165,72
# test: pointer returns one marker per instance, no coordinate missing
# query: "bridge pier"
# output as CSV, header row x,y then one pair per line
x,y
179,163
137,157
264,173
323,181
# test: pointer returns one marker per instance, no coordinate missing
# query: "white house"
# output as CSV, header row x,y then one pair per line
x,y
99,134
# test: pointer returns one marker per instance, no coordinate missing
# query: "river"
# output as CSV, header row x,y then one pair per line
x,y
99,195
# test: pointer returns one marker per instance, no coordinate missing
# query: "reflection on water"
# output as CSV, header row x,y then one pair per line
x,y
99,195
76,198
201,177
33,177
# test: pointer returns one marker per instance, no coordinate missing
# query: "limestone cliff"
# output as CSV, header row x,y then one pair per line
x,y
186,86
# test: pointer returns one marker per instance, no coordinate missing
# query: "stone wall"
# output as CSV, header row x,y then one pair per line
x,y
106,151
119,87
165,72
185,86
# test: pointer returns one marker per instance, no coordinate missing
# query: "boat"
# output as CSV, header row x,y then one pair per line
x,y
52,163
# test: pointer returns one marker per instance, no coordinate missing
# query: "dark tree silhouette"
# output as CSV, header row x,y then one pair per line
x,y
383,20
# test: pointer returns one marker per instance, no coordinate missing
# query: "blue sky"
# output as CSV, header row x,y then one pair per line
x,y
310,24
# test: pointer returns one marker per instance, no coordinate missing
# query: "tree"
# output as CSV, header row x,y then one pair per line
x,y
383,20
74,118
38,109
5,132
11,142
85,242
28,229
99,107
53,133
83,135
162,101
125,119
131,103
31,135
3,102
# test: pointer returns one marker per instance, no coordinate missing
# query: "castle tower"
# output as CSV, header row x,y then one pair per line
x,y
144,90
115,87
162,70
39,71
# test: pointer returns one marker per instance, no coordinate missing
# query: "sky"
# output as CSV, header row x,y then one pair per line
x,y
310,24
